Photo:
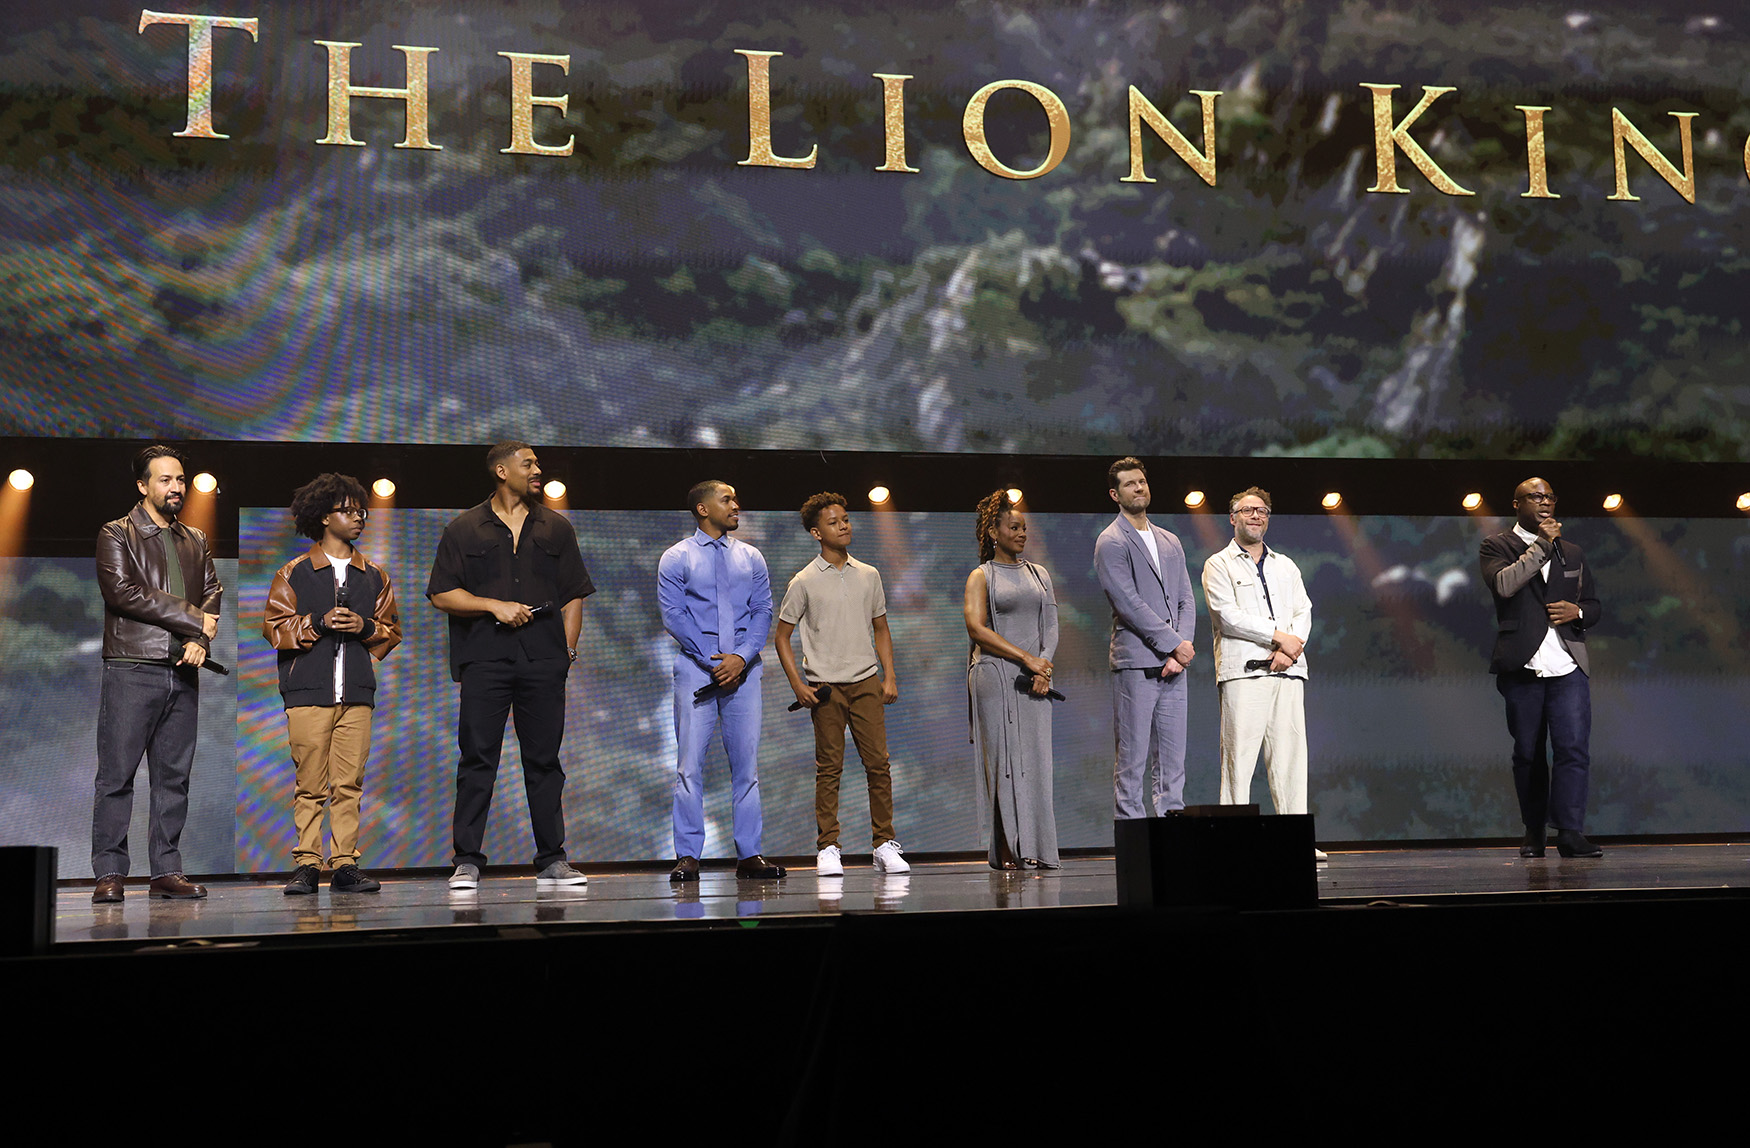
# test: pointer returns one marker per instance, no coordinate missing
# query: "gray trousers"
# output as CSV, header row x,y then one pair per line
x,y
1148,721
151,711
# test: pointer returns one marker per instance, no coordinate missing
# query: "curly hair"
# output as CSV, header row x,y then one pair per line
x,y
817,503
1250,491
313,501
991,509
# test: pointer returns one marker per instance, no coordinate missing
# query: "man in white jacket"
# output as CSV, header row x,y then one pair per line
x,y
1261,616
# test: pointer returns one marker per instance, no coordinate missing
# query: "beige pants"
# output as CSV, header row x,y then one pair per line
x,y
329,748
1267,714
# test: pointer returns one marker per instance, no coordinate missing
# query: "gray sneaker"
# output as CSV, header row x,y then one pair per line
x,y
465,877
559,873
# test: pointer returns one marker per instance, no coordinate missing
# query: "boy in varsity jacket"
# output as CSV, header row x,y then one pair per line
x,y
329,613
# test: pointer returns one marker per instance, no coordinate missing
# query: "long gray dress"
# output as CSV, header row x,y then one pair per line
x,y
1011,730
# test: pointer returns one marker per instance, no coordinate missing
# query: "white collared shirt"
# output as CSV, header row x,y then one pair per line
x,y
1552,659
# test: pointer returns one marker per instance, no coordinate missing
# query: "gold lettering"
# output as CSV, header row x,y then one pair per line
x,y
893,113
1142,111
759,116
1536,172
972,128
1387,139
341,93
1621,129
200,63
523,102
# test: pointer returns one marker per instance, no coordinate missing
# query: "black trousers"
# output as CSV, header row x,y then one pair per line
x,y
532,693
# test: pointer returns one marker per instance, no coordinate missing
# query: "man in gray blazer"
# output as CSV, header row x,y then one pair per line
x,y
1154,617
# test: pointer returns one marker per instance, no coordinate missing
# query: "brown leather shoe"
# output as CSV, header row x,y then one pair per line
x,y
686,869
176,887
109,890
757,868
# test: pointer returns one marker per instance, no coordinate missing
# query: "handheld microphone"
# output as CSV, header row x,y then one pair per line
x,y
1024,683
820,695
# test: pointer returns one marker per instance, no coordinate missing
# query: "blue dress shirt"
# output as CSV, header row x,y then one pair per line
x,y
686,589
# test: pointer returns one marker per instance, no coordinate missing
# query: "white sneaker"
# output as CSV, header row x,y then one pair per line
x,y
888,859
1320,855
466,876
828,863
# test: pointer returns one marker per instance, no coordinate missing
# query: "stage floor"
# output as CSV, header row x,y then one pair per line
x,y
244,909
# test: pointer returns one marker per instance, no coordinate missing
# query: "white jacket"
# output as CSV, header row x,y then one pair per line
x,y
1245,623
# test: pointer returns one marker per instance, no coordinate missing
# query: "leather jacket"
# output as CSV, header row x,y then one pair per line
x,y
140,618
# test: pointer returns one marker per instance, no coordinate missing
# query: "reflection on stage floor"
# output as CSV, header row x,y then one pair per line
x,y
238,910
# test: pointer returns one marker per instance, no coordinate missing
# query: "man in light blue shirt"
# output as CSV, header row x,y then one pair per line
x,y
716,599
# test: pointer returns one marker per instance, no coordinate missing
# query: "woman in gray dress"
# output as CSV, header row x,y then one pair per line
x,y
1011,615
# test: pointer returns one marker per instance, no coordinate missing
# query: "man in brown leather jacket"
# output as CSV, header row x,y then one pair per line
x,y
159,618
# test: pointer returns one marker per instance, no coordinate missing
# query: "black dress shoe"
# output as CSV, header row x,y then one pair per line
x,y
686,869
108,890
176,887
1573,843
303,882
1534,843
757,868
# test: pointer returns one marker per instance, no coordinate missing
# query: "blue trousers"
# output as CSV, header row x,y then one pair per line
x,y
739,714
1551,783
146,710
1148,723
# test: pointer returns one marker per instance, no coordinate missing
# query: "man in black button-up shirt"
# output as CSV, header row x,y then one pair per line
x,y
509,575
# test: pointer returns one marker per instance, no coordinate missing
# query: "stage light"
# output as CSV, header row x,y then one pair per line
x,y
1744,501
205,483
879,494
1472,500
1194,499
553,488
1331,501
22,479
1612,501
383,488
1014,494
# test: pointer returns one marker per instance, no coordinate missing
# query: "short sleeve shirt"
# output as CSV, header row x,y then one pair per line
x,y
543,566
834,611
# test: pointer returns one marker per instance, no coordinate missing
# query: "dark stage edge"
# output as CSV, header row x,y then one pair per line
x,y
1462,990
258,911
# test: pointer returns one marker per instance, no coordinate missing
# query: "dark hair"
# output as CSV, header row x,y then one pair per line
x,y
500,452
143,460
1123,464
700,492
312,501
991,509
817,503
1253,492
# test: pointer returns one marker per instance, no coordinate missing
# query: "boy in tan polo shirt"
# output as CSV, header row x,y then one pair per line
x,y
838,604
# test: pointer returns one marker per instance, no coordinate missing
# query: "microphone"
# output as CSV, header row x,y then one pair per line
x,y
1024,683
820,695
712,687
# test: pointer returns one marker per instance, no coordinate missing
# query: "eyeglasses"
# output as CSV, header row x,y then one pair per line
x,y
1539,496
1252,512
358,513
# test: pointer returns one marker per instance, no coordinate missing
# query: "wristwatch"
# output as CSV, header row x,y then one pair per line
x,y
572,650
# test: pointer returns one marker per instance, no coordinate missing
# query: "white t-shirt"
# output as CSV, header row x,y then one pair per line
x,y
340,569
1154,551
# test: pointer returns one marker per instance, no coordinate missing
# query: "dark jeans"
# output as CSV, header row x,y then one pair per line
x,y
533,693
146,710
1557,711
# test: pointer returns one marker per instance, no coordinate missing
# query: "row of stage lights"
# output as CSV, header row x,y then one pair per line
x,y
554,489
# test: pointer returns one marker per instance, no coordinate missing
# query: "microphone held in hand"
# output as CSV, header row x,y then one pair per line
x,y
820,695
1024,683
712,687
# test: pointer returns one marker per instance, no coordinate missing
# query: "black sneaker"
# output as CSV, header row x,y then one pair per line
x,y
303,882
348,879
